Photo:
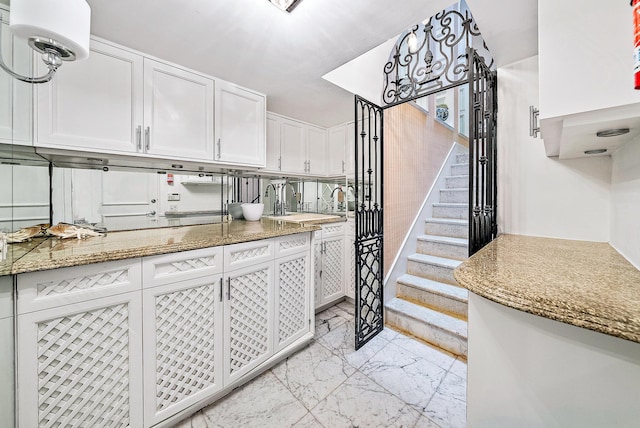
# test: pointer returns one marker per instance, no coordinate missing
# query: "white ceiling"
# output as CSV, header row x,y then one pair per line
x,y
254,44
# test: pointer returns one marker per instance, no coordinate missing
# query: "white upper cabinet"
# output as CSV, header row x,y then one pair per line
x,y
586,75
336,150
15,104
293,146
240,125
316,150
122,102
94,104
178,112
273,143
350,150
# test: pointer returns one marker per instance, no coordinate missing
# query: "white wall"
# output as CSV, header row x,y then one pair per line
x,y
625,202
541,196
529,371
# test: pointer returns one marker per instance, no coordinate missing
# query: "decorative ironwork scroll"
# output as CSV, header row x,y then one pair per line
x,y
368,220
483,191
432,57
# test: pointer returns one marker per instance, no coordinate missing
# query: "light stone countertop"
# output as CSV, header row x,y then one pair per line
x,y
586,284
51,253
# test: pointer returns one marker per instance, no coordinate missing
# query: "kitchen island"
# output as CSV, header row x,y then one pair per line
x,y
554,332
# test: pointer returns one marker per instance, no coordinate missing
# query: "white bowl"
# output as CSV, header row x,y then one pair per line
x,y
252,212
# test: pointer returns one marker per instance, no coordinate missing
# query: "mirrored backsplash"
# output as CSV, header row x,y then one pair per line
x,y
35,193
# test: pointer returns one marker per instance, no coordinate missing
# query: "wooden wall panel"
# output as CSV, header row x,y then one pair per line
x,y
415,146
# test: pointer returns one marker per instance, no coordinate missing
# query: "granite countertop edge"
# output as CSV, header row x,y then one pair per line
x,y
498,287
44,260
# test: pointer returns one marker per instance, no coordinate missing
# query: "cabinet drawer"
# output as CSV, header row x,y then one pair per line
x,y
247,254
52,288
170,268
291,244
329,230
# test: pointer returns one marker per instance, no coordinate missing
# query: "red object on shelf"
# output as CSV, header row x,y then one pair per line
x,y
170,176
636,47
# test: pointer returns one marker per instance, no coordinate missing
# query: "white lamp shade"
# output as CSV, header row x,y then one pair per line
x,y
66,21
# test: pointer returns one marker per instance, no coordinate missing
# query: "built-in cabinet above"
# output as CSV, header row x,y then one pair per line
x,y
122,102
240,125
295,147
586,76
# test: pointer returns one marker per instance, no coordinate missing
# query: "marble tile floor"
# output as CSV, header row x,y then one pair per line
x,y
393,381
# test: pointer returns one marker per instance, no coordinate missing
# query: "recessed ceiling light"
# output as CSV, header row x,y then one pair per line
x,y
612,132
595,151
286,5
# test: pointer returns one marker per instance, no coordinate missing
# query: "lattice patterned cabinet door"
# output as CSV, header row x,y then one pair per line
x,y
248,315
292,299
81,364
183,345
333,269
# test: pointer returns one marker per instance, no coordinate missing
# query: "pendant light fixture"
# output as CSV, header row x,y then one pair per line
x,y
58,29
286,5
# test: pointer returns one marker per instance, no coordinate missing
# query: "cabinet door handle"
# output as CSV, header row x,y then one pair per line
x,y
219,150
139,137
229,288
280,163
343,167
147,138
221,289
308,166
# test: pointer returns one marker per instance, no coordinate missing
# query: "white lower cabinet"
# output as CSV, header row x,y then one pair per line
x,y
350,261
183,336
248,315
292,298
80,365
136,342
329,272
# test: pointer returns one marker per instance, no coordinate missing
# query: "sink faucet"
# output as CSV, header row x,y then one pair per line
x,y
340,198
277,206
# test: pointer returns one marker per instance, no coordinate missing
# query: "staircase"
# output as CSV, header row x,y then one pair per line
x,y
429,304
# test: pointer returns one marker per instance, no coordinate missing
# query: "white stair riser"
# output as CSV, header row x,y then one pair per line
x,y
454,196
451,212
460,169
441,249
450,230
457,182
462,158
443,339
429,271
433,300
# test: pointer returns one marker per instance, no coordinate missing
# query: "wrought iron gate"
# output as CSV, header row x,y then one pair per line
x,y
483,191
368,220
445,52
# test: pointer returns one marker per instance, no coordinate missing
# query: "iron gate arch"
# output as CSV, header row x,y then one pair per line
x,y
444,48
